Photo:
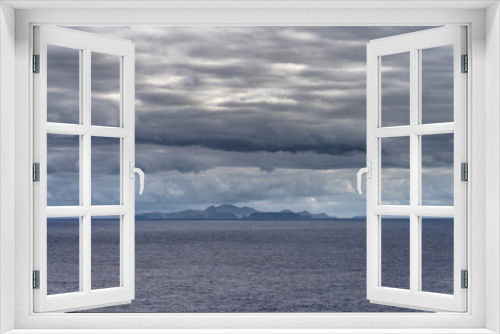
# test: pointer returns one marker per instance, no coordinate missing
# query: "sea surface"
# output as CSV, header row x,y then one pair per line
x,y
250,265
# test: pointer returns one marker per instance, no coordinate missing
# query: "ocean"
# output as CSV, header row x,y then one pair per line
x,y
250,265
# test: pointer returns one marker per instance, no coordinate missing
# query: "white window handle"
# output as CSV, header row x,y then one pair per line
x,y
139,171
368,171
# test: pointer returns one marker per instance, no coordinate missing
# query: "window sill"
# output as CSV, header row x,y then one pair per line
x,y
252,331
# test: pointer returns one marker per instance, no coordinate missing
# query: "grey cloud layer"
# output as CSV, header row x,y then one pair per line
x,y
259,102
253,89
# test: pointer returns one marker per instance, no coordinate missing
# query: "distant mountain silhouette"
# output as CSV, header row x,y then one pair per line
x,y
231,212
231,209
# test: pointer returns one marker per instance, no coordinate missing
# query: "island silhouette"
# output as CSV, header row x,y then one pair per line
x,y
232,212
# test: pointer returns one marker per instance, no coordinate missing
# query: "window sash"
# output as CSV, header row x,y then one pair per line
x,y
414,297
86,297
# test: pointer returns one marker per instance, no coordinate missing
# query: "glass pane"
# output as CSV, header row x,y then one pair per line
x,y
437,254
395,252
105,171
63,167
395,171
63,255
395,86
63,85
437,169
437,84
105,252
105,89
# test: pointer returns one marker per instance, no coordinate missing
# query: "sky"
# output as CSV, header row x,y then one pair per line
x,y
269,117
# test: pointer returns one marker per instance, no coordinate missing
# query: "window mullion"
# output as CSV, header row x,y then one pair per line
x,y
81,169
414,171
85,158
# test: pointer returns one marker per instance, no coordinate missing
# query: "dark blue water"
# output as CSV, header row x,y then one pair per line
x,y
250,266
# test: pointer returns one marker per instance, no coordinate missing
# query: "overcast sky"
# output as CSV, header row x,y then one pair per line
x,y
269,117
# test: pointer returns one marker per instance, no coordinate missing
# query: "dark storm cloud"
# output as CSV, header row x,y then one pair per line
x,y
163,98
252,131
105,85
105,156
395,86
63,84
395,152
252,88
437,151
157,158
437,80
63,154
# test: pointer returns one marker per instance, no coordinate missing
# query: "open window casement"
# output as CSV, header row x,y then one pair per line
x,y
83,130
414,131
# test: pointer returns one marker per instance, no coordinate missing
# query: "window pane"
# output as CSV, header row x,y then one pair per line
x,y
437,84
105,252
395,171
105,89
395,264
63,170
105,171
63,255
437,169
437,254
395,86
63,85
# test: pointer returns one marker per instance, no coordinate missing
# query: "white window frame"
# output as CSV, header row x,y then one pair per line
x,y
124,51
16,125
413,44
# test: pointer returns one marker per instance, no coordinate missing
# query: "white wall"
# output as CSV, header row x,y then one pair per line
x,y
7,160
7,156
492,166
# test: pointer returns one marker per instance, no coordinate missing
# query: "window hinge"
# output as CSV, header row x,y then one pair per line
x,y
36,279
464,171
465,64
36,172
465,279
36,63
